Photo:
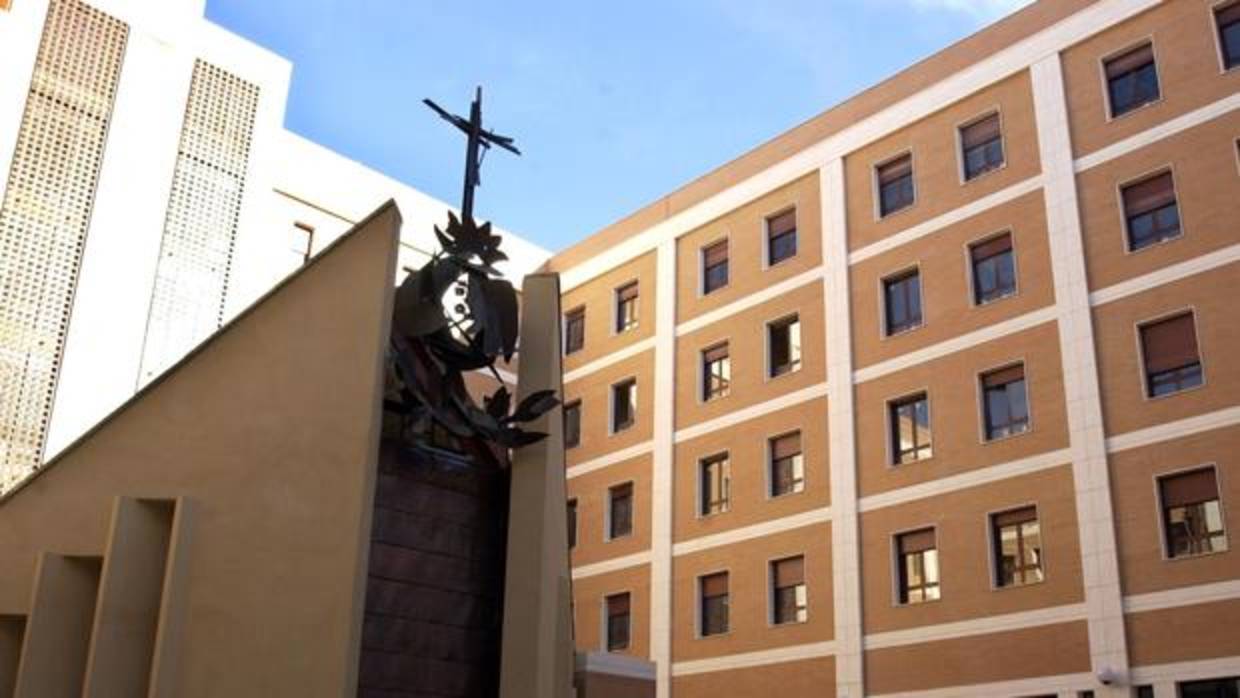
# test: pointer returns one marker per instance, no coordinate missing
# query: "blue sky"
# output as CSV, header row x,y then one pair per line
x,y
612,103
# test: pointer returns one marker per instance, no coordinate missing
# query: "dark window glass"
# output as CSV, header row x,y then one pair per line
x,y
716,372
1151,213
787,464
715,266
910,429
1017,538
623,405
574,330
1005,405
781,237
572,424
1169,348
1214,688
918,566
1228,20
1144,692
620,504
788,596
1192,514
713,590
714,480
572,523
1132,80
618,622
626,307
895,185
982,146
902,300
994,269
784,345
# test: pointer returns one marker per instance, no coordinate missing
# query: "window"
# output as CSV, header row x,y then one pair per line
x,y
787,464
1214,688
716,372
918,566
1192,514
1005,403
618,622
895,185
714,266
574,330
572,424
626,307
994,269
783,339
713,592
714,483
981,145
1169,349
781,237
620,511
1017,540
902,302
1151,214
1227,18
623,405
788,597
910,429
1145,691
1132,80
572,523
301,243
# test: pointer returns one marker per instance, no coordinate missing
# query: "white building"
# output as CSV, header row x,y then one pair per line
x,y
149,193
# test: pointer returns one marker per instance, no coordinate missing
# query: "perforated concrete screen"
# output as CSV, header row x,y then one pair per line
x,y
200,229
45,215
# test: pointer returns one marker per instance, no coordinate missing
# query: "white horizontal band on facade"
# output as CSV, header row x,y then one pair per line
x,y
612,565
1183,596
1180,428
1163,130
615,664
744,660
1166,275
612,458
614,357
753,412
973,478
750,301
958,343
1037,685
1186,671
758,530
934,225
977,626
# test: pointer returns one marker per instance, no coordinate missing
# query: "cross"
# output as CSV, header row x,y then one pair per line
x,y
477,136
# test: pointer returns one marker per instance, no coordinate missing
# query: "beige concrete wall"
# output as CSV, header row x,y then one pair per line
x,y
588,610
809,677
594,392
599,300
591,491
1201,631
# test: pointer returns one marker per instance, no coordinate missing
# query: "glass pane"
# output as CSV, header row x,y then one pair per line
x,y
1018,406
931,562
1230,36
997,417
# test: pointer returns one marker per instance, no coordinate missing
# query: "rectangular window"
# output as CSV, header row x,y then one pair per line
x,y
574,330
918,566
1017,539
1151,214
1169,349
789,603
572,523
1145,691
1192,514
626,307
1005,402
902,302
1227,18
572,424
623,405
714,266
781,237
981,145
895,185
713,592
910,429
716,372
787,464
1213,688
619,621
714,484
1132,80
994,269
620,511
783,339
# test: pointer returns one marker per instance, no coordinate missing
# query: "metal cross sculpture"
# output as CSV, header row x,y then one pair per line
x,y
477,137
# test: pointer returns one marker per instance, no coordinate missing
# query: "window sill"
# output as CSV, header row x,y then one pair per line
x,y
1007,437
966,181
1112,118
1181,391
987,303
1195,556
1130,250
1023,585
905,331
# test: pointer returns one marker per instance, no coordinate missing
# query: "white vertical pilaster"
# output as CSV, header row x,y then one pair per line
x,y
845,548
1087,440
663,462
